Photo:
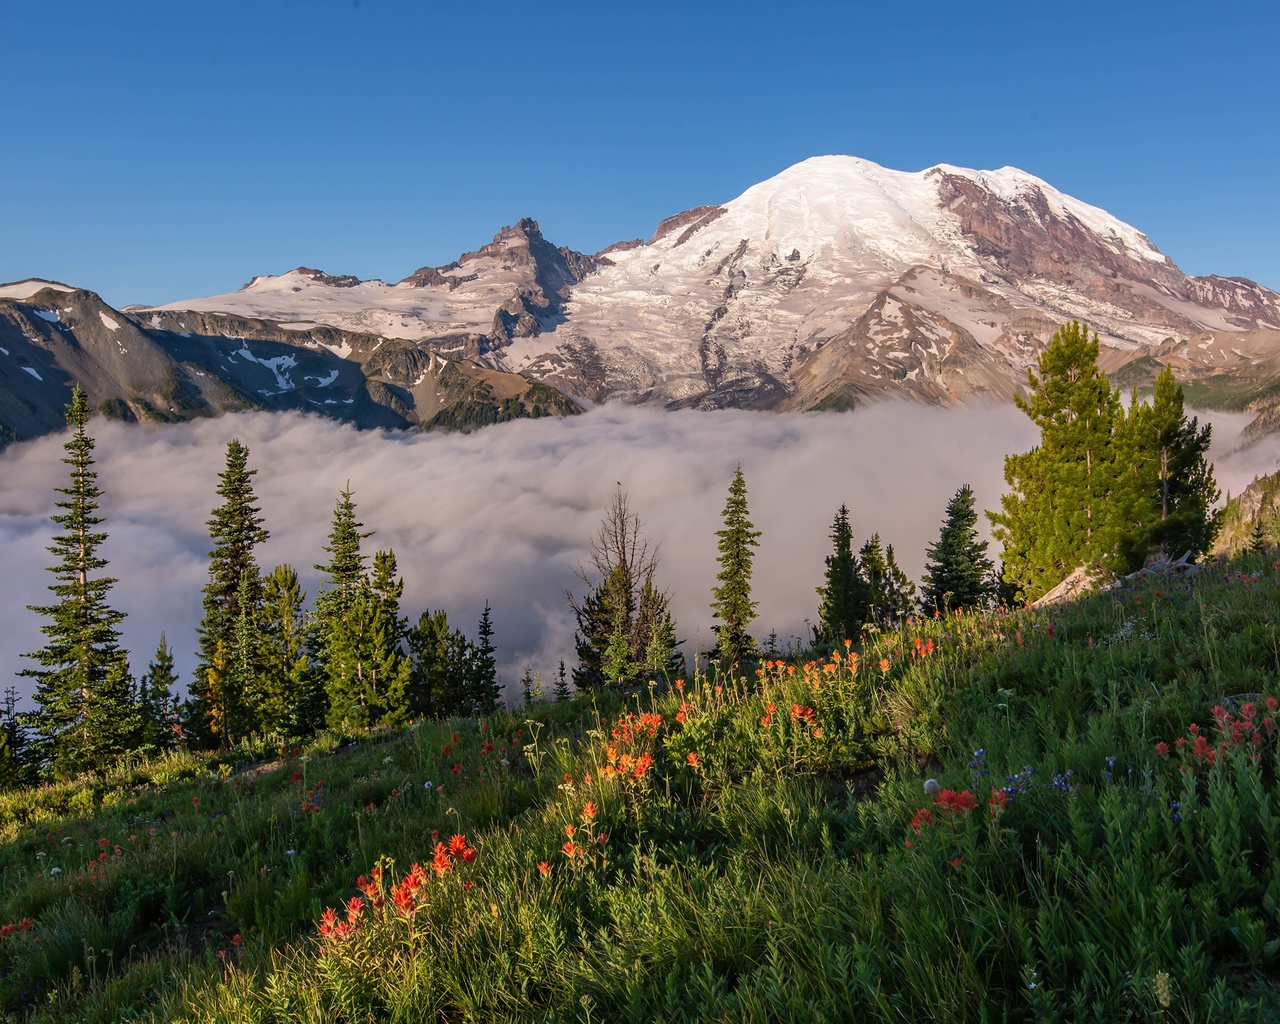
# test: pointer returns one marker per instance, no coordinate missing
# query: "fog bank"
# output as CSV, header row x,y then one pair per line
x,y
505,514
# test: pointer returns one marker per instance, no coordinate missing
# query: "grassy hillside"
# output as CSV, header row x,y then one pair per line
x,y
1069,814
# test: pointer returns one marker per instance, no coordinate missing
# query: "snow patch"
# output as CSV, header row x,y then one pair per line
x,y
33,373
25,289
50,315
324,382
107,322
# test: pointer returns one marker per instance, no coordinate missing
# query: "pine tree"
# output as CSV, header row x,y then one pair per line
x,y
873,573
484,689
1186,490
114,725
957,570
526,689
624,624
157,701
282,695
232,600
731,601
13,744
1258,538
83,644
899,592
840,616
561,689
1060,510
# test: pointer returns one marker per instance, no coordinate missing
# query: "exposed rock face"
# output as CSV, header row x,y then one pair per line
x,y
835,282
170,366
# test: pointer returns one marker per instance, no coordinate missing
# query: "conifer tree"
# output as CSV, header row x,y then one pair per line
x,y
731,601
526,689
232,600
13,744
840,614
484,690
1185,491
873,573
624,624
1060,510
114,725
561,689
899,591
429,644
82,652
1258,537
957,570
282,690
159,714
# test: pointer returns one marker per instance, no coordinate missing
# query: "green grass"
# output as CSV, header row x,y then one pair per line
x,y
742,849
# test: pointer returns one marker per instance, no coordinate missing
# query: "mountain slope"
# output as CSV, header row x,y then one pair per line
x,y
170,367
940,284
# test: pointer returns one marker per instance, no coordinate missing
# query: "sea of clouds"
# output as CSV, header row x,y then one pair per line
x,y
505,514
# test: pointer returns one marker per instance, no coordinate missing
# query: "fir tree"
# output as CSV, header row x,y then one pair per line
x,y
873,573
484,688
526,689
13,744
82,652
114,725
731,600
282,694
624,624
157,701
561,689
1258,537
368,675
957,570
429,643
1060,510
232,600
840,614
899,592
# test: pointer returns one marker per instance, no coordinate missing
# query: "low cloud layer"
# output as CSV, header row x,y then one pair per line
x,y
505,514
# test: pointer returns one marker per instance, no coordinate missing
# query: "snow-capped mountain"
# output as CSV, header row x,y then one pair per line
x,y
834,281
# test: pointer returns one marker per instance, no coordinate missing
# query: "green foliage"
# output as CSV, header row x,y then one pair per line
x,y
731,602
625,630
483,688
1058,513
441,660
958,572
1103,488
841,611
78,678
158,709
755,848
228,652
282,687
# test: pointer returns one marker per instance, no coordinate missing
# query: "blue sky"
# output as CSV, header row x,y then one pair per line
x,y
158,150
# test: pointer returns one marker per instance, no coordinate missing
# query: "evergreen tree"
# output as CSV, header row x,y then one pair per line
x,y
1060,510
232,600
13,744
624,624
429,654
82,653
561,689
345,568
1185,491
899,592
873,572
484,689
114,725
840,614
1258,538
731,600
368,675
159,713
957,570
282,695
526,689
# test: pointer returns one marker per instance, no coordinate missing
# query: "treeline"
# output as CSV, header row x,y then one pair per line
x,y
1106,487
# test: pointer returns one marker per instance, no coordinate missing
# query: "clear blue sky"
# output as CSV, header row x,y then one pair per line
x,y
162,150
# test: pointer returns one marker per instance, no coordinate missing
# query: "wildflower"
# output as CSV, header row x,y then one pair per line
x,y
931,787
236,939
571,849
427,785
570,830
195,801
589,811
956,862
544,868
921,818
1162,749
949,800
693,760
998,802
884,664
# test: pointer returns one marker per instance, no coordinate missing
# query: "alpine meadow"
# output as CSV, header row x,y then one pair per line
x,y
945,799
